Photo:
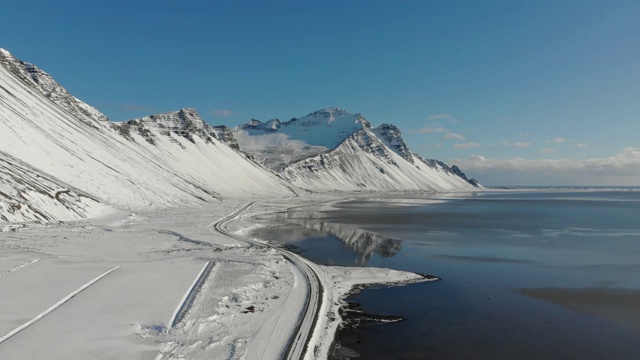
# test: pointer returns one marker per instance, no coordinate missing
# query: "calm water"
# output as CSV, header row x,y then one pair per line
x,y
525,275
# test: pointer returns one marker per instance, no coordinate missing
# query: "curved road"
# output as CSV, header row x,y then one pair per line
x,y
297,345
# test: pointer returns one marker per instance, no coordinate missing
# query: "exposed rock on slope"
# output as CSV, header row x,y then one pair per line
x,y
47,86
26,194
224,134
364,162
163,160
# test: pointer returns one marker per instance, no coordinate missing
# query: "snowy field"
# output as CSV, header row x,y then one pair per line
x,y
162,285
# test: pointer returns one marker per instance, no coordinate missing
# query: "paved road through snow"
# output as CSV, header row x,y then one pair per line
x,y
297,346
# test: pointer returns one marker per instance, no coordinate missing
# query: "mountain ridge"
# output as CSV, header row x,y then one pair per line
x,y
107,161
266,140
88,164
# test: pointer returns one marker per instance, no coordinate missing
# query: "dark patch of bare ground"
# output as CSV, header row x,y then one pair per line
x,y
618,306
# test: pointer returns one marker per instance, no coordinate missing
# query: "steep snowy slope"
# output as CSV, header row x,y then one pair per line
x,y
392,138
40,80
168,160
364,162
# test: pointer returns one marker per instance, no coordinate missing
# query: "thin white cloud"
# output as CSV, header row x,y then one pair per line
x,y
453,136
432,130
517,143
477,158
620,169
582,145
221,112
466,145
548,150
558,140
447,117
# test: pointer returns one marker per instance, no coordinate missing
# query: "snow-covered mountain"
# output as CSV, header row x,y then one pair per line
x,y
63,159
56,151
277,143
333,150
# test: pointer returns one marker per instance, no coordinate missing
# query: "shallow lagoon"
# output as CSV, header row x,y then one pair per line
x,y
525,275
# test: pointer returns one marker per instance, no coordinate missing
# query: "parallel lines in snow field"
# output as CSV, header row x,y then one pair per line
x,y
55,306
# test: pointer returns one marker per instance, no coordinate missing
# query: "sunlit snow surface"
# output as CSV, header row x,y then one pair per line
x,y
154,280
40,137
247,306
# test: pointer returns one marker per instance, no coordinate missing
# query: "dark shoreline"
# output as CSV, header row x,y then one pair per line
x,y
353,317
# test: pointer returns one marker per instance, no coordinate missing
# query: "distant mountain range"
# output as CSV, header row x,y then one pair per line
x,y
62,159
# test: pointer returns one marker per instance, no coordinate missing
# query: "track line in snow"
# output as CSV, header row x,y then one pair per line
x,y
189,296
19,267
55,306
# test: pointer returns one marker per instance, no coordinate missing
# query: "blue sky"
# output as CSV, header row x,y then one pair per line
x,y
536,92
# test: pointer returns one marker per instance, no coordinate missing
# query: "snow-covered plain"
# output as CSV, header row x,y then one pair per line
x,y
247,306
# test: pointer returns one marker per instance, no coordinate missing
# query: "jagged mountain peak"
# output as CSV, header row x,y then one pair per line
x,y
323,128
332,140
332,114
392,137
364,161
255,125
183,119
185,122
329,112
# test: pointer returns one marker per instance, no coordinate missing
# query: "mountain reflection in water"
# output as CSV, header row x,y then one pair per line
x,y
299,228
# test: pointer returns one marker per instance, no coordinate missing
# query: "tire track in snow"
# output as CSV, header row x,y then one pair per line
x,y
19,267
189,297
55,306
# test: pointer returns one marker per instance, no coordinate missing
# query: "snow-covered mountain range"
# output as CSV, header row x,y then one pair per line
x,y
331,149
62,159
